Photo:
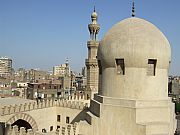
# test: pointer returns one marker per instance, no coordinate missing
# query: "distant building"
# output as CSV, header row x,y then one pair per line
x,y
80,83
62,70
68,82
174,87
64,73
44,90
37,75
31,75
5,66
21,75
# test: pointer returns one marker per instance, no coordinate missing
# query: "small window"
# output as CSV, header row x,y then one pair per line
x,y
67,120
100,67
58,118
51,128
120,66
151,69
58,127
43,130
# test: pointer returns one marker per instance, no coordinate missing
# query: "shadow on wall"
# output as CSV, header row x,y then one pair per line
x,y
80,116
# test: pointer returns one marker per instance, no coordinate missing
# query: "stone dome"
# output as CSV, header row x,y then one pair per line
x,y
135,40
134,58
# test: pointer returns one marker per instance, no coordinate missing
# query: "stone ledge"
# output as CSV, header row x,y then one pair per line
x,y
132,103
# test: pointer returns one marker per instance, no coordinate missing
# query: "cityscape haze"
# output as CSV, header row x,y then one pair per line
x,y
43,33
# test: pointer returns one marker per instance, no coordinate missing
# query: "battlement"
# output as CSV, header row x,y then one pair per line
x,y
70,129
22,131
40,104
76,97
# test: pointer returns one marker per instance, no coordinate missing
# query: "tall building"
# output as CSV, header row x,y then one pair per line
x,y
62,70
91,62
5,66
64,73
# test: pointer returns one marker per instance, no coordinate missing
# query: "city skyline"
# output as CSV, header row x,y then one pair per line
x,y
42,34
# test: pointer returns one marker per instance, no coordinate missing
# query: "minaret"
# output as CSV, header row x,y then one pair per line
x,y
91,62
67,68
67,62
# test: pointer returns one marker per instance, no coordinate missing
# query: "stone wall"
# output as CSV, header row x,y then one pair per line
x,y
40,104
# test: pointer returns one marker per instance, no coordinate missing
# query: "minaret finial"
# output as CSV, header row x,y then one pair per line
x,y
94,26
94,8
67,60
133,10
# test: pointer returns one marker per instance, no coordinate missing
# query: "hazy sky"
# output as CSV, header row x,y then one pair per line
x,y
42,33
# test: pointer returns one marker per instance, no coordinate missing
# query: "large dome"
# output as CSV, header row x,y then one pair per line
x,y
135,40
134,58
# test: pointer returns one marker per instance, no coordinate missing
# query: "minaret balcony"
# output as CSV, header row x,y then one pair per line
x,y
92,43
91,62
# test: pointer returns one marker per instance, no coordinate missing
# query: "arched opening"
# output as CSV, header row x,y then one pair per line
x,y
23,120
22,123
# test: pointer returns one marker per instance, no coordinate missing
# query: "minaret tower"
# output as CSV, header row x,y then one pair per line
x,y
67,68
91,62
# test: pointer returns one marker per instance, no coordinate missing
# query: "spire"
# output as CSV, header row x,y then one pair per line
x,y
94,26
94,16
133,10
67,62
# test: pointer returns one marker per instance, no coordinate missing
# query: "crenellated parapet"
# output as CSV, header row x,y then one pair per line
x,y
70,129
71,104
20,131
80,97
40,104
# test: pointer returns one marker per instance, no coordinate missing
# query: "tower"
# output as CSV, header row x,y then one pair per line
x,y
91,62
67,68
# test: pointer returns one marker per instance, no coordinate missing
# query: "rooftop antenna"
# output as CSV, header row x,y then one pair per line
x,y
133,10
